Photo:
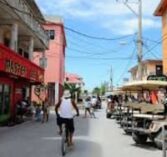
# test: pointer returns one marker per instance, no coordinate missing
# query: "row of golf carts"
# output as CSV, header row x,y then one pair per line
x,y
143,120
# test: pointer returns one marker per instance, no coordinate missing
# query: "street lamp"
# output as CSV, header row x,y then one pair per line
x,y
139,38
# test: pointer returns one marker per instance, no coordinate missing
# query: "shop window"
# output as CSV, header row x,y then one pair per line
x,y
4,99
1,98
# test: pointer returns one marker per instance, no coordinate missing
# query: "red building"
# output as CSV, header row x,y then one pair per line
x,y
74,79
18,39
55,56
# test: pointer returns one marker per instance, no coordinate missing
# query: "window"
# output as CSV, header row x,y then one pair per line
x,y
6,42
43,62
159,70
51,34
26,55
20,52
4,99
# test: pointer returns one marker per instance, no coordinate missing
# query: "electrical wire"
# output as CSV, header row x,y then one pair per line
x,y
68,28
127,66
145,46
95,37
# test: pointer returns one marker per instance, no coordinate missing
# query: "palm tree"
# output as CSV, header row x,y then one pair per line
x,y
73,89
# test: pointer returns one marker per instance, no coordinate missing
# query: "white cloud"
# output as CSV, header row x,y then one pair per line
x,y
113,15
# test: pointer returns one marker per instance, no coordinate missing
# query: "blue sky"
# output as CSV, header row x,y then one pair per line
x,y
92,59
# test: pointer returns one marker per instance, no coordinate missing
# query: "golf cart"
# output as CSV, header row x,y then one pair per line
x,y
150,119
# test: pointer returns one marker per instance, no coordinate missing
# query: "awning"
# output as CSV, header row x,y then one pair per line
x,y
13,64
144,85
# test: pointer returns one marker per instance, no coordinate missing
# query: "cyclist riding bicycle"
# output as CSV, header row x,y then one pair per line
x,y
64,112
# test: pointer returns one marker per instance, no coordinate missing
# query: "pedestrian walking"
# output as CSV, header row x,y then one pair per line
x,y
87,106
93,106
45,109
37,112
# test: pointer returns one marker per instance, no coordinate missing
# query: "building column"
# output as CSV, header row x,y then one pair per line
x,y
14,37
1,36
31,48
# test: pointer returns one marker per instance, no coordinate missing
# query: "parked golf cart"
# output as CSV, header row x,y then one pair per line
x,y
150,119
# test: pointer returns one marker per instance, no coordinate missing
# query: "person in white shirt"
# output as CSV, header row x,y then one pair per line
x,y
64,112
94,101
87,105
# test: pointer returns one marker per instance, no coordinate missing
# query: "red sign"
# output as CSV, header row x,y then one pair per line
x,y
12,63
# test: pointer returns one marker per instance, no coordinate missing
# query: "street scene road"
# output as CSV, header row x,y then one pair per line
x,y
99,137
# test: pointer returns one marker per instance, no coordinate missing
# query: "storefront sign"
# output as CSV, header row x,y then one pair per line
x,y
158,78
15,68
14,64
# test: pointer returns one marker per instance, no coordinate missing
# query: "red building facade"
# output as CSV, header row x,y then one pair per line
x,y
18,40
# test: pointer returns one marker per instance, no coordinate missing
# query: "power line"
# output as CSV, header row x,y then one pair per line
x,y
157,44
95,37
93,58
68,28
127,66
151,52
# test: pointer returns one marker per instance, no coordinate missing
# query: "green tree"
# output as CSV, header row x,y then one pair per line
x,y
103,88
73,89
96,91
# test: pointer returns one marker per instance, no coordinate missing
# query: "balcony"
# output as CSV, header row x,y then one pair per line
x,y
28,16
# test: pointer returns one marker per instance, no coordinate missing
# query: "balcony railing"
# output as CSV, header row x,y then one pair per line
x,y
24,12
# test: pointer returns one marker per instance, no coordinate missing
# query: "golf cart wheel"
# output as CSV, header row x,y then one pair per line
x,y
108,115
128,132
159,140
138,138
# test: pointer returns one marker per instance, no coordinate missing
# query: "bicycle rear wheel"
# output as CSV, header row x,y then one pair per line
x,y
63,142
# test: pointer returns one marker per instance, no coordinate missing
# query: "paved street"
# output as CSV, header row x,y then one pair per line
x,y
94,138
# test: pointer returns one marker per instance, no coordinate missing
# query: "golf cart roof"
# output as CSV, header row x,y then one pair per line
x,y
144,85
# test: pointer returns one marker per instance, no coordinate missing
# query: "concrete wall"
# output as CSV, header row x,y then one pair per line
x,y
55,70
164,36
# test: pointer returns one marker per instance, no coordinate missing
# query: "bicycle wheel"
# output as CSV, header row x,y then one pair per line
x,y
63,141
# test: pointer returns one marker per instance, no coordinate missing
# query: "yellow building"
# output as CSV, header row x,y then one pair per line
x,y
150,67
162,11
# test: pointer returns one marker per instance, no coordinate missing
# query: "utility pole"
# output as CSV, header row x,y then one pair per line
x,y
139,36
111,79
140,42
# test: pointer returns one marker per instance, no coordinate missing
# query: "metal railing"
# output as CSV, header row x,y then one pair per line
x,y
26,15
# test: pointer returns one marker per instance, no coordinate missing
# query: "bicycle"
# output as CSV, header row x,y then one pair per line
x,y
64,139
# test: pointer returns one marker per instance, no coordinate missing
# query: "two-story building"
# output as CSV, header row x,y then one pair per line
x,y
21,34
162,11
149,67
55,55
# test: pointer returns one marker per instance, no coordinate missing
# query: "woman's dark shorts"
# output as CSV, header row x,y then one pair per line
x,y
69,123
